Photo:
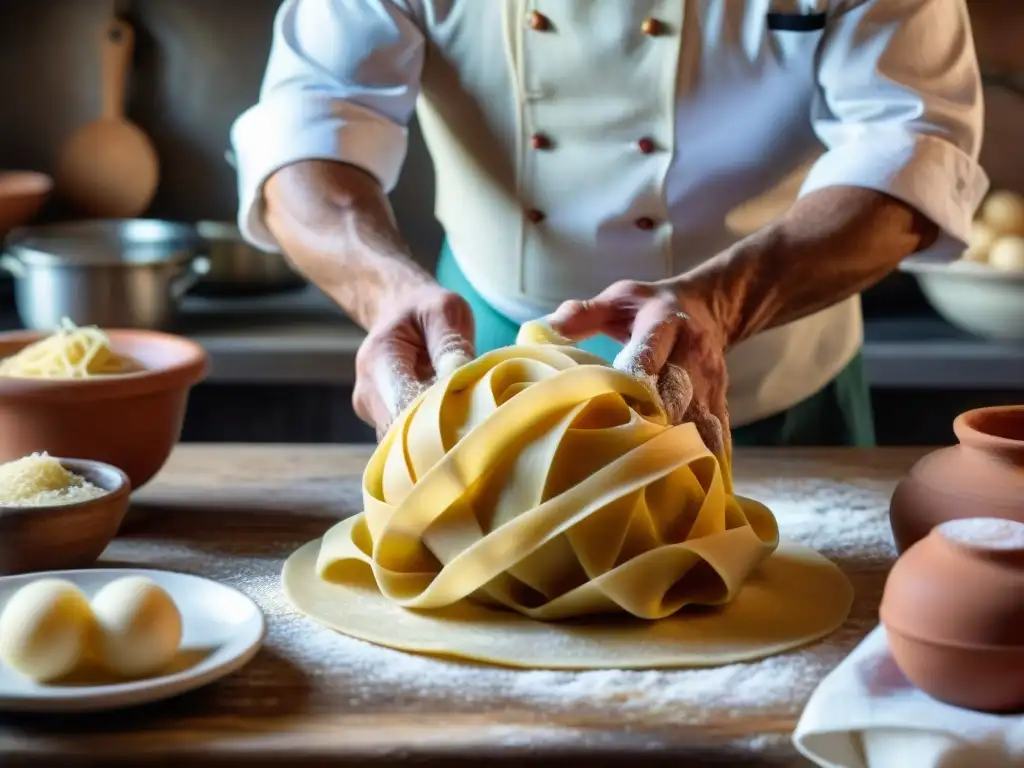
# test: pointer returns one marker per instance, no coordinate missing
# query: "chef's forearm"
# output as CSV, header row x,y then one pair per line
x,y
335,223
830,245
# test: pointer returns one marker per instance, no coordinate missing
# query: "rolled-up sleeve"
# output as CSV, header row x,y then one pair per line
x,y
899,108
341,84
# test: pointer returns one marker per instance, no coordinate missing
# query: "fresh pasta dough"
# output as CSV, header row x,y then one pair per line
x,y
71,352
49,629
537,509
139,626
45,629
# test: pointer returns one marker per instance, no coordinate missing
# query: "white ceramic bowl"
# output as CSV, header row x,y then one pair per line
x,y
973,297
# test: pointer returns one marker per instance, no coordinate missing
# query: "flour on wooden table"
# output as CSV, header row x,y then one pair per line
x,y
845,521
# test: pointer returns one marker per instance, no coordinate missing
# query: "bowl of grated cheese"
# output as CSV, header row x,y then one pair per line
x,y
117,396
57,513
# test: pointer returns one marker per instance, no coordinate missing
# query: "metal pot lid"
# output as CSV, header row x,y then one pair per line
x,y
219,230
105,242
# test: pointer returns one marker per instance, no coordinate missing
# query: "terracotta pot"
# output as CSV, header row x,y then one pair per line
x,y
65,536
22,194
131,422
983,476
953,611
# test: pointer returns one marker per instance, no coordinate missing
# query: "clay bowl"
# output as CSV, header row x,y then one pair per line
x,y
65,536
983,476
953,611
22,195
130,421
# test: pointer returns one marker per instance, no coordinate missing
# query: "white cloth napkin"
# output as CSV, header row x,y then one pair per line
x,y
866,714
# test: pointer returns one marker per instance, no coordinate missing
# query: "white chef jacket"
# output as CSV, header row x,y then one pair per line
x,y
648,148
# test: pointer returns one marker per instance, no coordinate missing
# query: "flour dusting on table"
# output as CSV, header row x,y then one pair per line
x,y
846,521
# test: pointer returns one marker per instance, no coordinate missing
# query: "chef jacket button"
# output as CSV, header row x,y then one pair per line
x,y
645,223
652,27
646,145
540,141
535,216
538,21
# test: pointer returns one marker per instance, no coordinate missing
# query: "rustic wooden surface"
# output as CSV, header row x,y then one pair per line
x,y
233,513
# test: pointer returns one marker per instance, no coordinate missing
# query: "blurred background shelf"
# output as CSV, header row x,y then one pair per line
x,y
283,366
928,353
301,338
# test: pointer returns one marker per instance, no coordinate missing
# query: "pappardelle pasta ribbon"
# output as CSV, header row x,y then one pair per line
x,y
540,479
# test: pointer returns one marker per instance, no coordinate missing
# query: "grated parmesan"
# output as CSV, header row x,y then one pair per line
x,y
39,480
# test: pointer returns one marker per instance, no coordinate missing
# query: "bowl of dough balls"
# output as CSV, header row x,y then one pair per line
x,y
981,292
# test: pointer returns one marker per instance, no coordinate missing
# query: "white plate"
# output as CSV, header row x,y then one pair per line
x,y
222,629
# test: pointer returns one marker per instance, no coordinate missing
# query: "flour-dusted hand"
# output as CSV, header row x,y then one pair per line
x,y
425,335
674,344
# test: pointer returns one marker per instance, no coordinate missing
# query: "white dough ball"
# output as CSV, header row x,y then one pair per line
x,y
979,242
139,626
45,629
1007,253
1003,211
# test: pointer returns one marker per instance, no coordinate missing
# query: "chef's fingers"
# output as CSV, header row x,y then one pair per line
x,y
710,413
447,325
652,340
716,436
388,374
449,353
709,428
582,319
676,391
370,407
395,382
396,385
362,402
719,408
366,397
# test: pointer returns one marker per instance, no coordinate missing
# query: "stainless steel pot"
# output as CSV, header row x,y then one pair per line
x,y
239,269
114,273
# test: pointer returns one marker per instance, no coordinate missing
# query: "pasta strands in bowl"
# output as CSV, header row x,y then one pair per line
x,y
71,352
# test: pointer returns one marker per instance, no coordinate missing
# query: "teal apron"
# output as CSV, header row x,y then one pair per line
x,y
838,414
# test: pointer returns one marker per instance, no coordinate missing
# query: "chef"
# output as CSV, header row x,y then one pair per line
x,y
588,154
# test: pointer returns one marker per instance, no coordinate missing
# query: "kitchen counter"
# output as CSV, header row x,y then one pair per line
x,y
233,513
302,338
928,353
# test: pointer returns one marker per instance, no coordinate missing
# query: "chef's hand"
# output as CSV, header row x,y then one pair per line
x,y
422,335
671,342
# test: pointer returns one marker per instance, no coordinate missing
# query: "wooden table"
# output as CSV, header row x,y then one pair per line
x,y
233,513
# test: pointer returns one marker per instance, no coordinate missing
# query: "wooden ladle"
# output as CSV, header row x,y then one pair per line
x,y
109,168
